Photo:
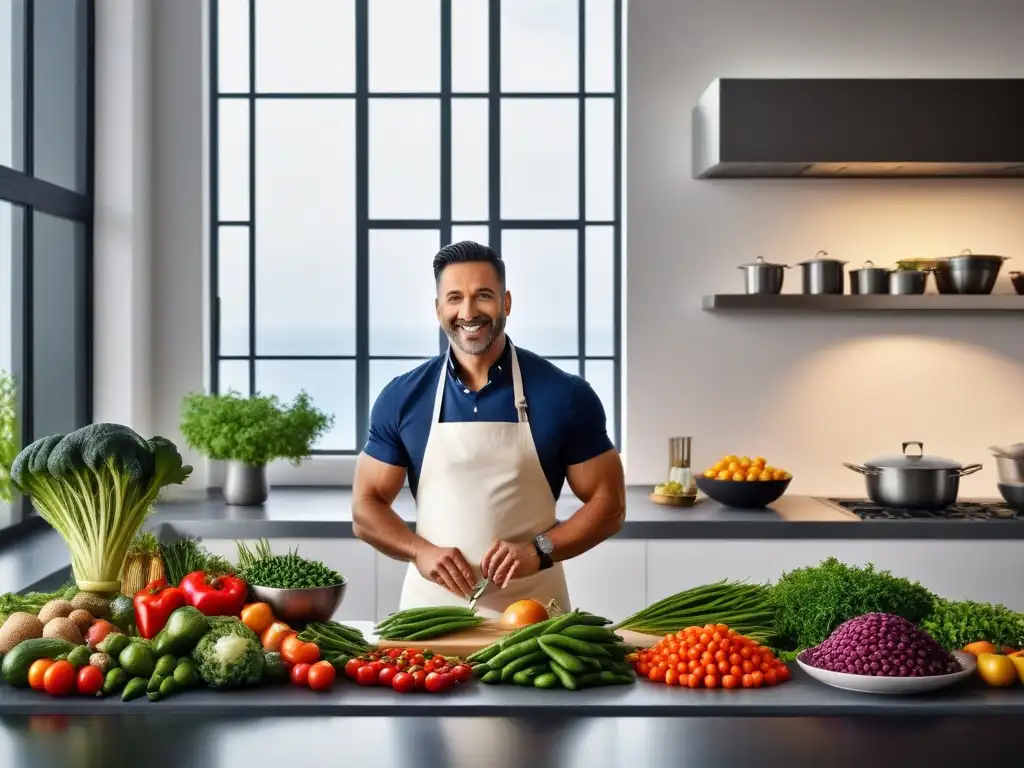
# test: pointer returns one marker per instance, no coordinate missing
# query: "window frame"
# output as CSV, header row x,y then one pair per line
x,y
29,194
364,224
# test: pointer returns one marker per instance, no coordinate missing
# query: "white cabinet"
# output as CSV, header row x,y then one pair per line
x,y
609,580
352,558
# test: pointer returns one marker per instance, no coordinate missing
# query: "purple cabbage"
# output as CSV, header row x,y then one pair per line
x,y
881,645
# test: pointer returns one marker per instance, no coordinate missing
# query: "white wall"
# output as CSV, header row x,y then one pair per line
x,y
807,392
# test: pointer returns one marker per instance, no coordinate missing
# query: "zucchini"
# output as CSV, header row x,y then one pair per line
x,y
16,663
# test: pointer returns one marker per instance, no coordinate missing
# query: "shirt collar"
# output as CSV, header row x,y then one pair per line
x,y
500,369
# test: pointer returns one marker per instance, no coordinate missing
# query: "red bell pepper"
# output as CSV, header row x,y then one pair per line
x,y
154,603
215,595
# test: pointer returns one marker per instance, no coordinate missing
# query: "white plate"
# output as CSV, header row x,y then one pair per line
x,y
892,685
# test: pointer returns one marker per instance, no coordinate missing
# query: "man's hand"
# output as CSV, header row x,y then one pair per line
x,y
445,566
505,560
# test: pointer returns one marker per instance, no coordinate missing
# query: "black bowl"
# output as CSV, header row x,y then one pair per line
x,y
743,494
1013,494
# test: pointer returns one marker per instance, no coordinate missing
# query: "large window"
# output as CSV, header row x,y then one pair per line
x,y
352,138
45,217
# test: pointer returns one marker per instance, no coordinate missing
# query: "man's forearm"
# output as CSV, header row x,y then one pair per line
x,y
597,520
379,525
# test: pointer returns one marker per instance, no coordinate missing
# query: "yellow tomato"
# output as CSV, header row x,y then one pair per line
x,y
752,476
724,475
760,460
738,476
778,474
733,466
1018,663
765,476
997,670
729,459
709,473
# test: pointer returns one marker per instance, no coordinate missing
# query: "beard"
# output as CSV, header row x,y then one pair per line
x,y
479,342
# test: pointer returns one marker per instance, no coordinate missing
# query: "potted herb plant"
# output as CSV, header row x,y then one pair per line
x,y
8,433
249,432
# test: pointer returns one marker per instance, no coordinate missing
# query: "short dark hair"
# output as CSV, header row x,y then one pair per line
x,y
466,251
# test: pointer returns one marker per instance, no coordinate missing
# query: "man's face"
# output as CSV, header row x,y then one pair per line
x,y
471,307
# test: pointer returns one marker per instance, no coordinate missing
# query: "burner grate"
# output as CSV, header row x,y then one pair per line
x,y
962,510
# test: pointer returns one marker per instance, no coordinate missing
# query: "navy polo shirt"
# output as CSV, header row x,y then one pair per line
x,y
567,418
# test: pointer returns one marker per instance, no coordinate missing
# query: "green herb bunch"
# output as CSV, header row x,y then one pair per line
x,y
262,568
810,603
8,432
184,556
955,623
253,430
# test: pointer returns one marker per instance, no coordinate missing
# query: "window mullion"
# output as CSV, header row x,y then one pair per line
x,y
362,221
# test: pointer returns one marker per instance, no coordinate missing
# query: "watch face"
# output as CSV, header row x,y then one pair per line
x,y
544,544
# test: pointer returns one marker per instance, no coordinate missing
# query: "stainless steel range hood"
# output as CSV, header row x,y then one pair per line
x,y
867,128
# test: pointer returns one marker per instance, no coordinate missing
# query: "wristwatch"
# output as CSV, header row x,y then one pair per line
x,y
544,549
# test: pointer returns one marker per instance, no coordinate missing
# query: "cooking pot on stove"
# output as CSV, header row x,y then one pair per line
x,y
913,481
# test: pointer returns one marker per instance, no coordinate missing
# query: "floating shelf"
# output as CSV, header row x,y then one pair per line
x,y
797,302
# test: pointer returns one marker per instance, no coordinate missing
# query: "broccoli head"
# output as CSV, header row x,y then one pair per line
x,y
226,657
96,486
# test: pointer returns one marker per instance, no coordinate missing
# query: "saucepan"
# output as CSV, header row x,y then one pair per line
x,y
913,481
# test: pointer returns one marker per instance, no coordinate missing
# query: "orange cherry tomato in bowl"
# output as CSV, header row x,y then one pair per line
x,y
59,679
321,676
36,672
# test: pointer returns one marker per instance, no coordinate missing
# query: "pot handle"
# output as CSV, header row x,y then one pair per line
x,y
920,446
970,469
860,470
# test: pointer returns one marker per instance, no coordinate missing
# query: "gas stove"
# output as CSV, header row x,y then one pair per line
x,y
962,510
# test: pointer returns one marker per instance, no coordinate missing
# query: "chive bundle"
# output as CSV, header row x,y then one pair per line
x,y
743,607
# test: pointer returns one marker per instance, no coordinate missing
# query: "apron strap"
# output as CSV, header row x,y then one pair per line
x,y
517,388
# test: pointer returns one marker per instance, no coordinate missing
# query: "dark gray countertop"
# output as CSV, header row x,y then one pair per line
x,y
327,513
800,696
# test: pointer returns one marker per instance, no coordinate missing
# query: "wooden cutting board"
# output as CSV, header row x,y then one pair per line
x,y
472,640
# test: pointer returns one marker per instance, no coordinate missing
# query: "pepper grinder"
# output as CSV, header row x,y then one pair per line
x,y
679,470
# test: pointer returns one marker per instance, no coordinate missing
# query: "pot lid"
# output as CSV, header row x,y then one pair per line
x,y
915,458
1015,451
822,256
869,266
760,262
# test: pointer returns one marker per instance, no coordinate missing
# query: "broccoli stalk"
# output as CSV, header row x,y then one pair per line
x,y
96,486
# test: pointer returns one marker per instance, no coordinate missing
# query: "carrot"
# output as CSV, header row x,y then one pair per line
x,y
712,656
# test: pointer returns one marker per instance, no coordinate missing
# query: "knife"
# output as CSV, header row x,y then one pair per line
x,y
479,591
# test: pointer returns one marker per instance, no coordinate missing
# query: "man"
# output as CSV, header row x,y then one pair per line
x,y
488,434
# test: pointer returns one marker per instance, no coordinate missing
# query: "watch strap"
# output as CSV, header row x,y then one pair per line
x,y
545,559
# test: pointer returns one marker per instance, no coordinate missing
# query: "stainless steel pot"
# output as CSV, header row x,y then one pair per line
x,y
913,481
823,275
1017,278
763,277
968,273
869,279
1009,463
907,282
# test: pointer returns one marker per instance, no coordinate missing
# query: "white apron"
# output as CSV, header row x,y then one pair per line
x,y
483,481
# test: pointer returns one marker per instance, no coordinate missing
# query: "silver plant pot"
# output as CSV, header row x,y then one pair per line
x,y
245,485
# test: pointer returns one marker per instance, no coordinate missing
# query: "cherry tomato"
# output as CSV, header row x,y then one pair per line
x,y
394,653
386,675
428,666
462,672
417,659
420,678
90,680
36,672
367,675
352,666
403,682
300,674
376,666
434,682
59,679
321,676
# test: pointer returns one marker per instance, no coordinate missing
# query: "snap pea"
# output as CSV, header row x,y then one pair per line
x,y
419,614
574,618
591,663
134,688
444,629
493,677
565,677
595,679
546,680
522,662
591,633
514,652
114,681
154,683
621,667
485,654
525,633
528,675
561,656
479,670
578,647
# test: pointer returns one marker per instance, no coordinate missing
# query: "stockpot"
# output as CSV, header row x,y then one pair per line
x,y
913,481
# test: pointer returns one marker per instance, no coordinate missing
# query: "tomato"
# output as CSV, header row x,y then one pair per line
x,y
436,682
428,666
671,677
300,674
417,659
656,675
367,675
420,678
352,666
386,675
321,676
376,666
90,680
757,678
403,682
394,653
36,672
295,651
444,669
770,677
462,672
59,678
711,681
730,681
